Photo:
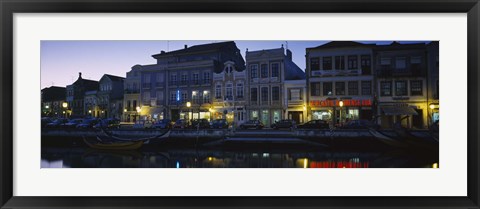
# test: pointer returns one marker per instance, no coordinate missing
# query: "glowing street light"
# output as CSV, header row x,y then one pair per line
x,y
432,106
189,104
340,103
124,110
46,106
139,109
64,105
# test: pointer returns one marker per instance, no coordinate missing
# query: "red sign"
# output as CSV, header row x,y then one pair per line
x,y
346,103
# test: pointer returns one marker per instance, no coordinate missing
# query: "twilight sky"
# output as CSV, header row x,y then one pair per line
x,y
61,61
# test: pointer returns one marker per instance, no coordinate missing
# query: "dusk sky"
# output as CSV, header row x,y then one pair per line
x,y
61,61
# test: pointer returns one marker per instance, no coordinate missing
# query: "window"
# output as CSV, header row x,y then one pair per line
x,y
352,88
173,96
159,95
315,63
128,105
416,88
327,63
239,90
184,79
160,77
195,97
416,60
229,91
295,94
275,93
146,78
218,91
173,79
253,94
264,94
386,88
134,104
366,88
352,62
264,70
146,96
339,62
401,88
400,63
385,61
315,89
184,97
195,78
206,77
366,64
327,88
206,96
253,71
339,88
275,70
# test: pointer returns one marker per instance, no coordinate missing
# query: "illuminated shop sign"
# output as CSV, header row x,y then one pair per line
x,y
346,103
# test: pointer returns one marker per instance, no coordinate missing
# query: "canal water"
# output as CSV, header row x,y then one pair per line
x,y
83,157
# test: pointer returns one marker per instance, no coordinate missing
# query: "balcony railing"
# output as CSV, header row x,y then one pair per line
x,y
388,71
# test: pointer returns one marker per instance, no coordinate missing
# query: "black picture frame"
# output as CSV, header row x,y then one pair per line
x,y
10,7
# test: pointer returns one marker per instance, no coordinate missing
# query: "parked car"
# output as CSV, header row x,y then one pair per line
x,y
143,124
72,123
256,124
88,123
162,124
109,123
200,123
287,123
180,123
314,124
57,123
219,124
360,124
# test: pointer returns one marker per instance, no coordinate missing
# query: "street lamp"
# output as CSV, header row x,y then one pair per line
x,y
340,103
65,106
189,104
138,111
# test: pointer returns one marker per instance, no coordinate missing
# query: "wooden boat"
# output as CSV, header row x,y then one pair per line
x,y
131,145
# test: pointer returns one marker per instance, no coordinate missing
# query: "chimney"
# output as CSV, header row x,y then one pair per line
x,y
80,75
162,52
289,54
186,46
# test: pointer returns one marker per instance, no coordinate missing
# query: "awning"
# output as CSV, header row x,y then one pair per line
x,y
399,110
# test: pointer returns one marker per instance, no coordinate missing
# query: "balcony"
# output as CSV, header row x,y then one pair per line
x,y
387,71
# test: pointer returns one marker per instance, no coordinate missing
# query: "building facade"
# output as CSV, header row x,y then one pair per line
x,y
76,94
401,72
266,72
340,82
184,77
131,94
295,100
52,100
229,101
91,104
433,91
110,96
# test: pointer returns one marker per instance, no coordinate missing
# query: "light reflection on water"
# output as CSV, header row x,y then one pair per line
x,y
89,158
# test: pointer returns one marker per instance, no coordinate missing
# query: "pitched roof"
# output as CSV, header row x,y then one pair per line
x,y
115,78
339,44
198,48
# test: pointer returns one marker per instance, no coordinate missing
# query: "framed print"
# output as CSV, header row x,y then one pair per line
x,y
266,104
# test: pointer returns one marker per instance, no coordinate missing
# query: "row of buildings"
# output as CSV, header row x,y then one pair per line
x,y
342,81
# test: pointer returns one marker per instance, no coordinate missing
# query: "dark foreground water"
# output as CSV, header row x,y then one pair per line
x,y
82,157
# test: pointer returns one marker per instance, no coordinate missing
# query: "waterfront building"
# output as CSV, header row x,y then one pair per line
x,y
266,72
75,96
110,96
184,77
229,101
295,100
131,94
340,82
52,99
401,72
91,104
433,89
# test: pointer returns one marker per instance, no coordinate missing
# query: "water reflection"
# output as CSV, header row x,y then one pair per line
x,y
88,158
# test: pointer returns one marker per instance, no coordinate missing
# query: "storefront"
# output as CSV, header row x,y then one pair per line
x,y
338,112
408,116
